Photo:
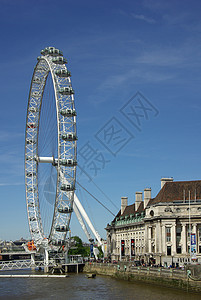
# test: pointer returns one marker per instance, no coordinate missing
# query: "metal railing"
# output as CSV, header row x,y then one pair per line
x,y
24,264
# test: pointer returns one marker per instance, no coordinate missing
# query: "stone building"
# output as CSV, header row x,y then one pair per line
x,y
165,230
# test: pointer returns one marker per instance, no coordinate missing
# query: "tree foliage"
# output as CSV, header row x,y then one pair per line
x,y
79,248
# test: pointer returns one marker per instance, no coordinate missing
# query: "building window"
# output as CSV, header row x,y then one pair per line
x,y
199,233
178,249
168,250
178,234
199,248
152,232
168,234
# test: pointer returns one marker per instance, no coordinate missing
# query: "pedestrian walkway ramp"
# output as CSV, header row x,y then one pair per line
x,y
23,264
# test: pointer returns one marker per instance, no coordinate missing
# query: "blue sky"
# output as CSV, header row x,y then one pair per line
x,y
114,50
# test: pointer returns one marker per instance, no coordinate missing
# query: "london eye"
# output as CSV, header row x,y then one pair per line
x,y
50,149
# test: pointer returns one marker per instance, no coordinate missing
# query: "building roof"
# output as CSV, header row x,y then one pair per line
x,y
130,209
178,190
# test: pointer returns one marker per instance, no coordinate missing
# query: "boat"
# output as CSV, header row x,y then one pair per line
x,y
91,275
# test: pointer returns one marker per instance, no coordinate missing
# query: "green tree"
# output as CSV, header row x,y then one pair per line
x,y
100,254
79,248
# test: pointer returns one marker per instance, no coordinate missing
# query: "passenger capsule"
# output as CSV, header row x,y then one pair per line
x,y
68,112
31,142
32,219
63,73
33,109
30,174
31,125
62,228
66,90
31,204
65,210
41,68
59,60
36,94
51,51
30,190
67,187
29,157
58,242
68,162
45,51
37,80
55,52
69,137
35,231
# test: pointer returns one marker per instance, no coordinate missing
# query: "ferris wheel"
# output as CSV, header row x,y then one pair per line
x,y
50,149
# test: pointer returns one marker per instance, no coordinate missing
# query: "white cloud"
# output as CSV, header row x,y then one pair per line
x,y
143,18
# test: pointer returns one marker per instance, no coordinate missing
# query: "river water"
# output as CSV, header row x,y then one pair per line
x,y
78,286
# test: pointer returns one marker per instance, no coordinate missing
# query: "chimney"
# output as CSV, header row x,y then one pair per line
x,y
124,203
147,196
138,200
164,180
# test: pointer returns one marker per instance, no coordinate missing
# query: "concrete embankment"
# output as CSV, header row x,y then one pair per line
x,y
174,278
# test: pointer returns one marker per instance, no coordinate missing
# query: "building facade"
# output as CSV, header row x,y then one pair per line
x,y
165,230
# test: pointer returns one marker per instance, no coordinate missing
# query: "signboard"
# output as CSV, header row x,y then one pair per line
x,y
122,248
132,247
193,246
105,249
91,250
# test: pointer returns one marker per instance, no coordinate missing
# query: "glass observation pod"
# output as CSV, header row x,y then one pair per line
x,y
63,73
67,187
30,174
51,51
69,137
31,190
30,157
33,109
32,219
37,80
41,68
31,142
68,112
39,57
55,52
36,94
35,231
45,51
58,242
65,210
62,228
66,91
31,125
60,60
31,204
68,162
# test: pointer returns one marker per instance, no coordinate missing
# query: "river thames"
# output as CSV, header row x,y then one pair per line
x,y
78,286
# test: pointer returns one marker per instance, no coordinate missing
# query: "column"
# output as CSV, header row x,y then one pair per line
x,y
33,261
158,238
120,249
183,239
149,239
163,240
174,247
